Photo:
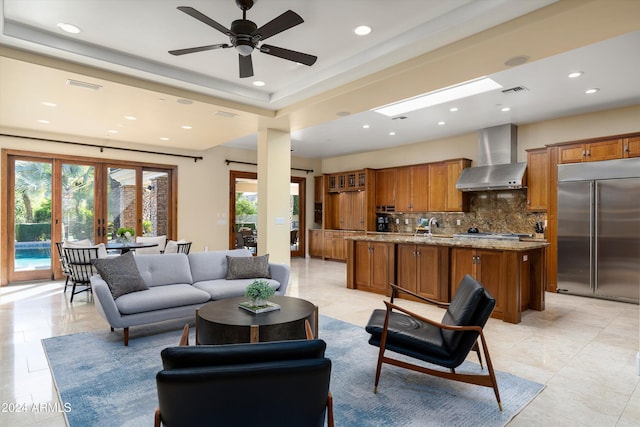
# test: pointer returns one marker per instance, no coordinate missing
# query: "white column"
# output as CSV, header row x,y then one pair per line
x,y
274,177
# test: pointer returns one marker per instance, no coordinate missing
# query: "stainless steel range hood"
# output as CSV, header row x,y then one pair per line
x,y
497,168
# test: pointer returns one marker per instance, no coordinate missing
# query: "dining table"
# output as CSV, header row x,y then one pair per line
x,y
126,247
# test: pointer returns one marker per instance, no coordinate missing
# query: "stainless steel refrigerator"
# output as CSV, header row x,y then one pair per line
x,y
599,229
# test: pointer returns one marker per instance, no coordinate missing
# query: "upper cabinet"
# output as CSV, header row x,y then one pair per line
x,y
591,151
412,188
443,195
348,181
631,147
386,190
537,179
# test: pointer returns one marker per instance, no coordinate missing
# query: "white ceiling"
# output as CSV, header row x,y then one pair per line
x,y
130,39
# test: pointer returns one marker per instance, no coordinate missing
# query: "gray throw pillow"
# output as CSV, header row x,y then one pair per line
x,y
248,267
121,274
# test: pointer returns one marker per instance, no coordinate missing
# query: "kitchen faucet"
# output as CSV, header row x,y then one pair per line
x,y
432,221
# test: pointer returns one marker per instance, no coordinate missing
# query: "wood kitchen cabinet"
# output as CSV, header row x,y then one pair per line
x,y
412,188
351,210
316,243
386,190
424,270
443,195
631,147
516,279
537,179
372,266
591,151
456,200
437,187
335,245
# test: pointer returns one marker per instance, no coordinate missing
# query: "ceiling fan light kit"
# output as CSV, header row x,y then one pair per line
x,y
245,36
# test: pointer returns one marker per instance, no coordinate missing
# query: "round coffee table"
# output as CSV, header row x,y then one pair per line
x,y
224,322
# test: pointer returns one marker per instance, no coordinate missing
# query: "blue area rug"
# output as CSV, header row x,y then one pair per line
x,y
107,384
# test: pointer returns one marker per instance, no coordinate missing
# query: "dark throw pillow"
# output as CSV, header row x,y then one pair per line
x,y
121,274
248,267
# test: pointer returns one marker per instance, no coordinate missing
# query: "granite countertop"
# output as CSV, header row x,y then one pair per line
x,y
449,240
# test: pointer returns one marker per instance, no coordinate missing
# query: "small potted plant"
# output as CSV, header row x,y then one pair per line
x,y
259,291
125,234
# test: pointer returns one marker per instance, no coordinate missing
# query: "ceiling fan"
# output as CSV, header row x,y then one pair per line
x,y
245,36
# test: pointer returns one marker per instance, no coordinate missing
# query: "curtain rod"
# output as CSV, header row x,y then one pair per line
x,y
102,147
255,164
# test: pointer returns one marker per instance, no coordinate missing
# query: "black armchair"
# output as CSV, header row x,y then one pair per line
x,y
446,343
283,383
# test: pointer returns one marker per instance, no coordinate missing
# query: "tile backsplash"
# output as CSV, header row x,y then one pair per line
x,y
490,211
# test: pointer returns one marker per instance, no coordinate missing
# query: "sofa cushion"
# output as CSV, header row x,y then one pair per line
x,y
222,288
248,267
160,298
164,269
120,273
212,265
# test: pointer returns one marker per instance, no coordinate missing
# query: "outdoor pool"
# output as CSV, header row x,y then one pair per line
x,y
33,258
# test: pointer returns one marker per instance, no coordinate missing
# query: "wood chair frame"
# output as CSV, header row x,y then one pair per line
x,y
488,380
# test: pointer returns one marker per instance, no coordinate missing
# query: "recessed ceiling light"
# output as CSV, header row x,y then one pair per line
x,y
441,123
131,117
440,96
259,83
392,133
112,131
43,121
69,28
365,126
362,30
505,109
186,127
164,138
453,109
49,104
342,113
592,90
575,74
184,101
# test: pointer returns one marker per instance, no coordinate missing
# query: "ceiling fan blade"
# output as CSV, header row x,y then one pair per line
x,y
246,66
178,52
205,19
291,55
277,25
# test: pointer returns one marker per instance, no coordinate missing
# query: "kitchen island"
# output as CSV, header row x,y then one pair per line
x,y
512,271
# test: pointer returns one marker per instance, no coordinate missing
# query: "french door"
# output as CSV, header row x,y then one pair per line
x,y
243,212
52,198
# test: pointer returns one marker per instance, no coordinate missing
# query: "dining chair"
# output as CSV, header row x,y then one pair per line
x,y
80,267
63,264
184,247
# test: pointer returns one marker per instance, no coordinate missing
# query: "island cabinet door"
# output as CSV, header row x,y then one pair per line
x,y
423,269
485,266
362,270
407,267
373,266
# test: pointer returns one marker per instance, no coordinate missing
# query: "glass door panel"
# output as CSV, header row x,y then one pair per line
x,y
155,203
78,202
246,213
31,242
122,206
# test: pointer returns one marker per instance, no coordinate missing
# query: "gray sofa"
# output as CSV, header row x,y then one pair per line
x,y
177,284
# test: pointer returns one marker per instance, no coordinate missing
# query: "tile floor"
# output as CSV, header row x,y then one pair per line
x,y
583,349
